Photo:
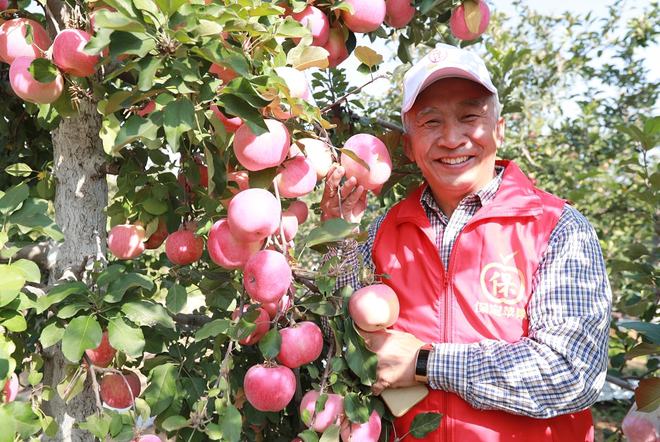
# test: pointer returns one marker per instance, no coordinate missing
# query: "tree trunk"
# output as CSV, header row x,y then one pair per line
x,y
80,200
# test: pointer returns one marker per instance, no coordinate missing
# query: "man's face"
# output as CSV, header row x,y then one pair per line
x,y
453,135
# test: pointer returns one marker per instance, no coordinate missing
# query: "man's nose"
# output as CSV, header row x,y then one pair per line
x,y
452,136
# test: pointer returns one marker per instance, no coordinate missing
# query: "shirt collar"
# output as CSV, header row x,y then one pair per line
x,y
480,198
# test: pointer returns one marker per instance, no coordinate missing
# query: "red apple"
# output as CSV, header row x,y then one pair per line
x,y
301,344
69,53
296,177
114,391
296,82
13,42
254,214
367,15
316,21
336,46
267,276
263,151
331,414
262,322
317,152
158,237
102,355
231,125
458,23
10,389
183,247
374,153
374,307
273,308
640,427
28,88
224,73
300,209
125,241
226,250
147,438
147,109
269,388
366,432
399,13
4,4
289,225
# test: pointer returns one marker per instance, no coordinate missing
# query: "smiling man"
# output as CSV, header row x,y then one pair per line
x,y
504,298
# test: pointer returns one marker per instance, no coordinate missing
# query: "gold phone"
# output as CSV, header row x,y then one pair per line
x,y
401,400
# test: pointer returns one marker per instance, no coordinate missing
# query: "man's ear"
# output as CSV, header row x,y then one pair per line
x,y
407,147
499,131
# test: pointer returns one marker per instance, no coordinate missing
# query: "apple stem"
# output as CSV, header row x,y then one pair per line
x,y
326,371
95,384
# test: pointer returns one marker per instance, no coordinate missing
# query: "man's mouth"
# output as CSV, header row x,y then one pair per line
x,y
454,160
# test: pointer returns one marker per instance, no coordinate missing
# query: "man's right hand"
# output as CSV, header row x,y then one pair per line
x,y
353,197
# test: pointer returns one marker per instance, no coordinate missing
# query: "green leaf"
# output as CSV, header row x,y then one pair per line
x,y
236,105
147,313
125,337
169,7
19,169
98,425
230,424
304,57
155,206
178,118
332,230
28,269
27,421
331,434
11,283
360,360
213,329
51,335
59,293
643,349
162,388
174,423
13,321
8,425
43,70
176,299
13,198
135,128
82,333
270,344
118,288
651,331
148,68
368,56
647,395
107,19
357,410
424,423
242,88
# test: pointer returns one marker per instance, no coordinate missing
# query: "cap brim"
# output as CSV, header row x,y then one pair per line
x,y
446,72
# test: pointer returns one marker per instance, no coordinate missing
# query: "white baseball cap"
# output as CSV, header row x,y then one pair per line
x,y
442,62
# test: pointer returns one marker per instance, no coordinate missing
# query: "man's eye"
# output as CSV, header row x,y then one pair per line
x,y
431,123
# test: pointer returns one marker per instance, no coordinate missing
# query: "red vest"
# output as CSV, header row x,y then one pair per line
x,y
483,295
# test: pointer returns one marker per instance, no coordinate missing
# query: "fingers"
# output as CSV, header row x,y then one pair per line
x,y
332,180
378,387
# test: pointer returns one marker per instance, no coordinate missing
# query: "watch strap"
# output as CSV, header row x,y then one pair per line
x,y
421,363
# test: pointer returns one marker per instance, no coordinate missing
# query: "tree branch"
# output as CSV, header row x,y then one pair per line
x,y
351,92
619,382
191,319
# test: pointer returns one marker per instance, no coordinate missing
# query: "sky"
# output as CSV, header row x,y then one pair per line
x,y
550,7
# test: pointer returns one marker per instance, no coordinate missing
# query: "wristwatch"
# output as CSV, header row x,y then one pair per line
x,y
421,363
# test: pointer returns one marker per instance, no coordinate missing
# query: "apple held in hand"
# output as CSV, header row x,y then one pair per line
x,y
125,241
301,344
116,393
269,387
10,389
366,432
469,20
374,307
253,214
102,355
267,276
331,414
183,247
262,322
374,153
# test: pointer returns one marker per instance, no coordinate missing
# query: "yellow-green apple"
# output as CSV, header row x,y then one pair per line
x,y
366,432
126,241
258,152
399,13
226,250
296,177
269,387
374,307
183,247
102,355
28,88
262,326
114,391
367,15
14,41
302,343
267,276
331,414
460,23
253,214
69,54
374,153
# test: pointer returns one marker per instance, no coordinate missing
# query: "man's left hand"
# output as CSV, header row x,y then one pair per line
x,y
397,353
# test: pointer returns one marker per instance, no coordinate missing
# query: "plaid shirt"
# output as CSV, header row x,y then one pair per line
x,y
560,366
